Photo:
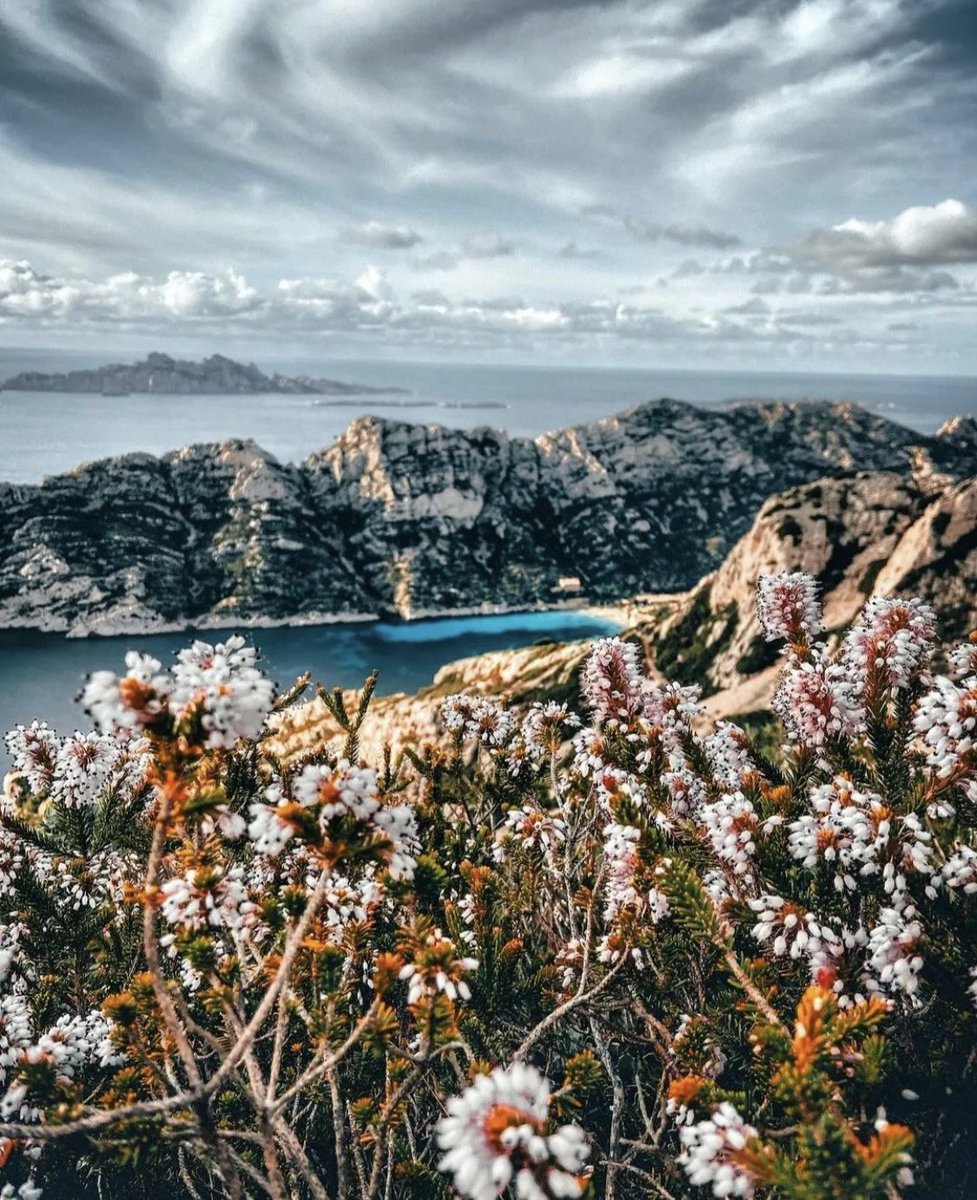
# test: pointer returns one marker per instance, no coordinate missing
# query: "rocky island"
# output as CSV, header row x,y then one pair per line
x,y
163,375
420,519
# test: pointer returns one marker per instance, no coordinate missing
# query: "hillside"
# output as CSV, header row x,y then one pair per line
x,y
412,519
863,534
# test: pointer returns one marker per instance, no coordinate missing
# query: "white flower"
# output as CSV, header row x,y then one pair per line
x,y
946,718
334,794
535,828
544,728
789,931
207,898
137,699
16,1030
621,856
727,753
731,823
478,717
892,958
846,831
26,1191
889,643
495,1135
673,709
222,685
267,830
218,687
816,702
963,660
708,1152
436,968
77,769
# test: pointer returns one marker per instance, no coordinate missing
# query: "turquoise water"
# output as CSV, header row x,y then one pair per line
x,y
42,673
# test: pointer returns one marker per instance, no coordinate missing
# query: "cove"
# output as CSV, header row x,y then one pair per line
x,y
42,673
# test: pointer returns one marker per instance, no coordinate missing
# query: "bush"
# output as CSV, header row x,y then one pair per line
x,y
544,958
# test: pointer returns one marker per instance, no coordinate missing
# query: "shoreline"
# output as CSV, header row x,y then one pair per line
x,y
620,612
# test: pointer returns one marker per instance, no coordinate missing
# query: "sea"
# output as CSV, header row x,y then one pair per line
x,y
42,434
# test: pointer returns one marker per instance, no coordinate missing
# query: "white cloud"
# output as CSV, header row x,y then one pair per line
x,y
141,139
906,253
940,233
228,306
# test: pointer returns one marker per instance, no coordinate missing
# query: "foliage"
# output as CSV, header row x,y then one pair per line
x,y
623,957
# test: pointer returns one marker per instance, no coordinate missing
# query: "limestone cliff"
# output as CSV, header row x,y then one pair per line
x,y
418,518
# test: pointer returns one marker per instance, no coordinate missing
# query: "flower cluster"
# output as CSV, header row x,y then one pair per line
x,y
74,770
788,607
215,694
496,1133
890,642
327,807
292,972
479,718
612,682
817,701
712,1152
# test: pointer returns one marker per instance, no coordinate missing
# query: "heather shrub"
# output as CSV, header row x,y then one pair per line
x,y
622,953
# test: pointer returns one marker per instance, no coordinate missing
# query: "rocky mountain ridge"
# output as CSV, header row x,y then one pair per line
x,y
159,374
417,519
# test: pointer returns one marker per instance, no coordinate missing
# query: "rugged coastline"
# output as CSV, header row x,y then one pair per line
x,y
412,520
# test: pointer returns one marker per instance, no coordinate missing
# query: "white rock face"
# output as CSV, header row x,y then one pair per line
x,y
863,535
418,518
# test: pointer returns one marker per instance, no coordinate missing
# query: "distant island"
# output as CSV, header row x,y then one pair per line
x,y
159,374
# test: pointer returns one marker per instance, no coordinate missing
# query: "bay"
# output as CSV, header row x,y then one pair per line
x,y
42,673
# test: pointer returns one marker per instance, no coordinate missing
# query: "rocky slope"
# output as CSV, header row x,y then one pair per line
x,y
159,373
413,519
863,534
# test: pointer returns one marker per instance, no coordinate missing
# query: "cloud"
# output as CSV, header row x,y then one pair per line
x,y
682,233
384,237
940,233
227,305
907,253
477,246
140,139
572,250
487,245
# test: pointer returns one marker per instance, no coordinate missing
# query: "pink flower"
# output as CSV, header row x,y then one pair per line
x,y
788,607
612,682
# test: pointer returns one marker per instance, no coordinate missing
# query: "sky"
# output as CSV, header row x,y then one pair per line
x,y
695,183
